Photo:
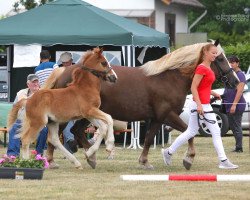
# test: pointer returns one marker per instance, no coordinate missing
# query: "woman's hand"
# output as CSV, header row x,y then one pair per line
x,y
232,109
200,109
216,95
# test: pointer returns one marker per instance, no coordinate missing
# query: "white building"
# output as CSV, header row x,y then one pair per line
x,y
167,16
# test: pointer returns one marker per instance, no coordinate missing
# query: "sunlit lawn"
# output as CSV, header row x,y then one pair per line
x,y
104,182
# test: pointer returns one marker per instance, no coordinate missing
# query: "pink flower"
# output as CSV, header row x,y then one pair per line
x,y
34,152
39,157
46,163
13,157
2,160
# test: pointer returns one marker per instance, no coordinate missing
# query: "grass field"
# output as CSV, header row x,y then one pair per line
x,y
104,182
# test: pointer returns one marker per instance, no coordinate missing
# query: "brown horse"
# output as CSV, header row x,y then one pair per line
x,y
80,99
155,91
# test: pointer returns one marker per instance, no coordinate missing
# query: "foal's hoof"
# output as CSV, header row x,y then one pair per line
x,y
91,160
79,167
53,165
91,163
111,154
110,147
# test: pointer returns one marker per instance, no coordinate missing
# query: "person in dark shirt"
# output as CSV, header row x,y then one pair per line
x,y
236,104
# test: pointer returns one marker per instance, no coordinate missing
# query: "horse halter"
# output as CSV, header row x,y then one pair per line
x,y
223,75
97,73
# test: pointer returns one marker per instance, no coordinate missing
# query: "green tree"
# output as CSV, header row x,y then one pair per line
x,y
228,19
29,4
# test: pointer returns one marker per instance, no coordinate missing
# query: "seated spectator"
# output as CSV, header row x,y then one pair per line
x,y
14,143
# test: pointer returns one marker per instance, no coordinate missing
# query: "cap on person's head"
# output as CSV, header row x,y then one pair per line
x,y
65,57
232,59
45,54
32,77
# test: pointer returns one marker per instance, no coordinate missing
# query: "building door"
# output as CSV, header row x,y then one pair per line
x,y
170,27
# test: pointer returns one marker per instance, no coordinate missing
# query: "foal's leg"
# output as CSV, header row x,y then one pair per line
x,y
29,135
78,131
105,124
50,158
103,128
54,139
51,148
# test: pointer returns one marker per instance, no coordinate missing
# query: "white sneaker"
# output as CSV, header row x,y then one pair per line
x,y
227,165
166,156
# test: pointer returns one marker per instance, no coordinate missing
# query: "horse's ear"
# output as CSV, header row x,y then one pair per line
x,y
217,41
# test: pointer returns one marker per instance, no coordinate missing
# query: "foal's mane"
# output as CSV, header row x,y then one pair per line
x,y
84,57
184,58
77,74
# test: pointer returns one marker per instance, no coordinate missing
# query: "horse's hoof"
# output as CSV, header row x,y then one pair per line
x,y
147,166
53,165
187,163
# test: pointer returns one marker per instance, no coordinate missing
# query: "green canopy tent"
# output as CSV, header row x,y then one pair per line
x,y
74,22
74,25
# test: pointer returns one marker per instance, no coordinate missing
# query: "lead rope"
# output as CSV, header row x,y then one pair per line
x,y
203,118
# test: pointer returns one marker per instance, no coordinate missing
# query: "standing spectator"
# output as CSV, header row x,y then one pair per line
x,y
14,143
201,91
45,68
66,59
68,138
235,104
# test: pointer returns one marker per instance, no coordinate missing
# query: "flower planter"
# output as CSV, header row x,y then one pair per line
x,y
21,173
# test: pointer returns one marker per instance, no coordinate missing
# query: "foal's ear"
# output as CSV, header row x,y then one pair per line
x,y
217,41
101,50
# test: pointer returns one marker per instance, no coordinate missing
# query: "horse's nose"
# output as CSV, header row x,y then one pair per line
x,y
112,78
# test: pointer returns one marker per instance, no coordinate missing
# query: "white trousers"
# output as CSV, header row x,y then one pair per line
x,y
193,128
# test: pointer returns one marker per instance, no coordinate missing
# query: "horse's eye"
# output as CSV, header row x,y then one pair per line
x,y
104,63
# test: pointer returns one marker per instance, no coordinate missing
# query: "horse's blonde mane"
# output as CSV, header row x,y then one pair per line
x,y
184,57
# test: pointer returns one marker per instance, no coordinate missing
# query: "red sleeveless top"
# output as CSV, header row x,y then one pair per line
x,y
205,86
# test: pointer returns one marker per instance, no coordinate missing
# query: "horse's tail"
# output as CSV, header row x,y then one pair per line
x,y
12,116
51,81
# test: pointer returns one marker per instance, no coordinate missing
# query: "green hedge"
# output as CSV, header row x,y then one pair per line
x,y
242,51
